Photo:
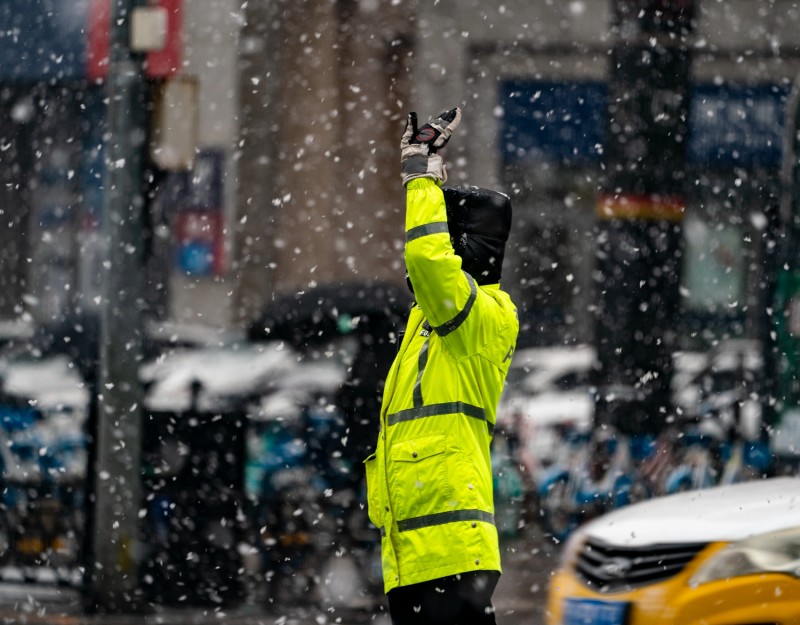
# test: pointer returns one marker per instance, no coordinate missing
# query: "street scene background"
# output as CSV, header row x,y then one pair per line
x,y
203,283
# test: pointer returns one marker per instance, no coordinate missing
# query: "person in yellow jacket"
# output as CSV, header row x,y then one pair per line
x,y
430,479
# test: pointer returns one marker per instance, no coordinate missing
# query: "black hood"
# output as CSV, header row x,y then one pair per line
x,y
479,221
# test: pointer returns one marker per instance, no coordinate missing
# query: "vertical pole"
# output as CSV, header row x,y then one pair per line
x,y
640,212
113,584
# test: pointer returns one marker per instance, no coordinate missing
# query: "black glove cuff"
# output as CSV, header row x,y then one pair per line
x,y
415,165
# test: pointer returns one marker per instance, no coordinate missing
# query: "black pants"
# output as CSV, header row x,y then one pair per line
x,y
464,599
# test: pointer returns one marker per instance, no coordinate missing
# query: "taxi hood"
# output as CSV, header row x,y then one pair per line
x,y
723,513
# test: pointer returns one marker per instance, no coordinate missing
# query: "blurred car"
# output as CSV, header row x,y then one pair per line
x,y
319,484
216,376
547,395
726,381
546,369
725,555
43,464
50,383
218,421
43,409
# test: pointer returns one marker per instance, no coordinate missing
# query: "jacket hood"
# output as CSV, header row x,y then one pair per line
x,y
479,221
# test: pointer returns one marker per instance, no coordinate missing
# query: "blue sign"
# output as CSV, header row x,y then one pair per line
x,y
566,122
197,258
737,124
563,121
43,39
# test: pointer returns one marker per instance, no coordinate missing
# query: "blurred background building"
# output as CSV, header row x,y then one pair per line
x,y
300,106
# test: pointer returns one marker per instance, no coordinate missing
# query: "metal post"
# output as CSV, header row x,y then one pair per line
x,y
640,212
113,584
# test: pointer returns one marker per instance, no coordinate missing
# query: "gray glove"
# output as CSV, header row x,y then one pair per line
x,y
418,146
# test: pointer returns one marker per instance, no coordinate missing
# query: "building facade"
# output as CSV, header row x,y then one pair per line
x,y
532,80
301,105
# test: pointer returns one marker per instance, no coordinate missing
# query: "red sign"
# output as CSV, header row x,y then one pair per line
x,y
199,243
98,42
166,62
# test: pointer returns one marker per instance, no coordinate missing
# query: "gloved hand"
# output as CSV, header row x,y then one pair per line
x,y
418,146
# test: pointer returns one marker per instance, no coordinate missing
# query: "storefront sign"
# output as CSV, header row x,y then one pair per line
x,y
199,243
198,216
565,122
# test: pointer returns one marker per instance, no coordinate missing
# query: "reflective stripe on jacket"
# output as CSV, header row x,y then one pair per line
x,y
430,479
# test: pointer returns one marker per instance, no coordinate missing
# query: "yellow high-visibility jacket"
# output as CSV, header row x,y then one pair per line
x,y
429,481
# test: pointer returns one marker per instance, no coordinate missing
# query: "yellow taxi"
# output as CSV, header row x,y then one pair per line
x,y
728,555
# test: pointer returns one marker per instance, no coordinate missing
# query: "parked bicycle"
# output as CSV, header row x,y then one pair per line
x,y
719,447
595,474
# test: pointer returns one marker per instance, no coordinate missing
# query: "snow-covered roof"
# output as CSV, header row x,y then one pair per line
x,y
247,369
49,383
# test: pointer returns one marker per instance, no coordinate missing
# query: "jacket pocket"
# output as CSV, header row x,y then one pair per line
x,y
419,480
373,490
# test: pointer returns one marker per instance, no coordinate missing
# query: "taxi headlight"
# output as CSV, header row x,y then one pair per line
x,y
775,552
